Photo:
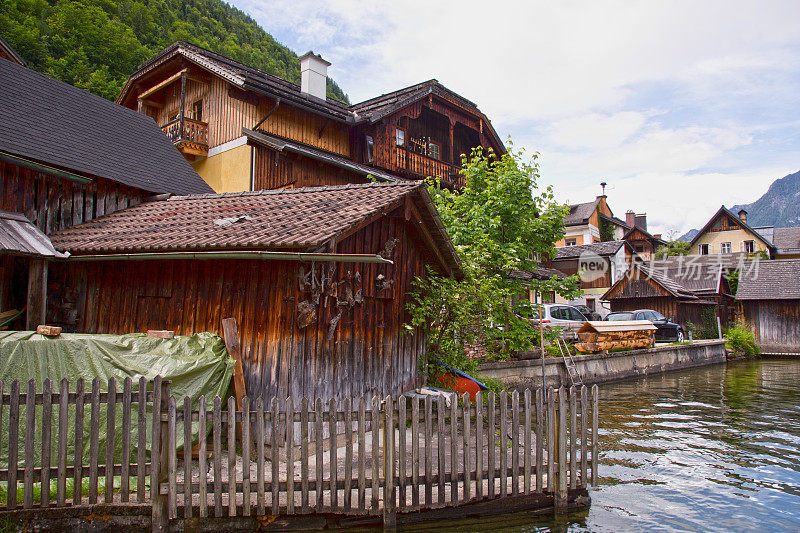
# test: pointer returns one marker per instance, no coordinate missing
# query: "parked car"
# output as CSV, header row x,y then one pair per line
x,y
667,329
588,313
566,317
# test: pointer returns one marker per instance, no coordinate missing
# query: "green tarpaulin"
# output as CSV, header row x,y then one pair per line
x,y
196,366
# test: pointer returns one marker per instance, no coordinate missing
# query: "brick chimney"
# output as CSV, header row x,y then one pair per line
x,y
314,75
641,221
743,215
630,218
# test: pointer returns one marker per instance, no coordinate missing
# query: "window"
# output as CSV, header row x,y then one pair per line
x,y
725,248
749,246
590,304
197,111
657,317
704,249
559,313
639,248
574,314
570,242
400,137
434,150
370,150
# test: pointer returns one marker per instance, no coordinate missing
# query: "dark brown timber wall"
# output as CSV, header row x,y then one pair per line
x,y
315,330
776,324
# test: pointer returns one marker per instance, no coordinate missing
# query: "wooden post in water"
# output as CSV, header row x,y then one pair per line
x,y
560,496
159,454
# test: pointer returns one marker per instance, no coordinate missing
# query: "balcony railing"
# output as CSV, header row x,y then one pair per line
x,y
193,139
421,165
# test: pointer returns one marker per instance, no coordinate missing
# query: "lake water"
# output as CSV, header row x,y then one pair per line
x,y
708,449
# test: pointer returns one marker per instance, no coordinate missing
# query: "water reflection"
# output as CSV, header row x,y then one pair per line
x,y
709,449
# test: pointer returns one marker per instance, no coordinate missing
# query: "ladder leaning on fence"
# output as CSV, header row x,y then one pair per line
x,y
572,370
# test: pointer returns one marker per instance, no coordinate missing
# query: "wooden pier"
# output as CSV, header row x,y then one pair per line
x,y
367,460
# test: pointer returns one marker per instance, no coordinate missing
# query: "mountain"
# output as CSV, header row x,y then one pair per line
x,y
779,206
97,44
689,235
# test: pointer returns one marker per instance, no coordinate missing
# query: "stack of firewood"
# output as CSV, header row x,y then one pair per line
x,y
593,342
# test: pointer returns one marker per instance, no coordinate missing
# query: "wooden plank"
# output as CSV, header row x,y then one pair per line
x,y
491,442
573,441
595,435
334,450
584,424
539,439
551,440
289,444
187,457
428,451
141,447
155,440
402,419
362,445
77,483
503,443
527,428
231,445
388,462
216,454
440,446
304,506
515,442
479,445
94,440
453,474
561,488
13,446
172,460
230,332
348,453
415,462
246,506
161,85
127,385
63,420
30,445
260,436
467,446
375,468
320,474
275,454
47,421
111,428
37,293
202,456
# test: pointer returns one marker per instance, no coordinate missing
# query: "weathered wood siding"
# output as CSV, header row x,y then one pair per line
x,y
365,351
274,170
681,312
53,203
776,324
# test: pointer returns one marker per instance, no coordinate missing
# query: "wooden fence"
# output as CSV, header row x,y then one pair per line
x,y
358,457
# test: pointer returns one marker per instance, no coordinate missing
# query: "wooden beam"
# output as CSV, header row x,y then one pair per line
x,y
230,333
37,293
183,101
429,239
159,86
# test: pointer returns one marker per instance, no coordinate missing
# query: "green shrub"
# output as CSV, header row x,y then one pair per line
x,y
741,341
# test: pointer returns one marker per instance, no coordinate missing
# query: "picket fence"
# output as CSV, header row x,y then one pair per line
x,y
367,456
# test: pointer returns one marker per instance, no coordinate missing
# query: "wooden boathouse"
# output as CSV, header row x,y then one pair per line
x,y
318,280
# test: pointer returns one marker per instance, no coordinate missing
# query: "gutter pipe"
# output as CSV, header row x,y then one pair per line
x,y
244,254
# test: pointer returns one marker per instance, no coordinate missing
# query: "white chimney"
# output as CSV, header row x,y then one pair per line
x,y
314,75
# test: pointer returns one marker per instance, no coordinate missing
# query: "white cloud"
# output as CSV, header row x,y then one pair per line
x,y
596,130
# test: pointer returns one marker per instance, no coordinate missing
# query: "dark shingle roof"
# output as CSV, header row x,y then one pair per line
x,y
770,280
288,219
787,239
599,248
18,236
580,213
691,272
55,123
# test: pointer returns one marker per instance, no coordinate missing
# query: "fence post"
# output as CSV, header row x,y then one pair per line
x,y
561,446
389,513
159,456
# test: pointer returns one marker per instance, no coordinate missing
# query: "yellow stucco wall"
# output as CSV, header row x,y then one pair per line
x,y
735,237
228,171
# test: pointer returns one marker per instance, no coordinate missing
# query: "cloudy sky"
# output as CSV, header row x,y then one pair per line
x,y
679,106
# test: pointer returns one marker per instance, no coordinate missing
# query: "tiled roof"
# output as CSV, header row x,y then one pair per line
x,y
599,248
770,280
690,273
786,239
18,236
52,122
288,219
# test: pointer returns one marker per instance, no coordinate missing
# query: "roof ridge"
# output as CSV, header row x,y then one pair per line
x,y
324,188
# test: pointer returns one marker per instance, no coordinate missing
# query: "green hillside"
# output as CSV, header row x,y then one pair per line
x,y
96,44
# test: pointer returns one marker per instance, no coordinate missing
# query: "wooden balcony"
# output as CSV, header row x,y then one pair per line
x,y
419,165
192,139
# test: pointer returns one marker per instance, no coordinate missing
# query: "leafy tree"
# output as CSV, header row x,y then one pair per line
x,y
498,227
97,44
673,248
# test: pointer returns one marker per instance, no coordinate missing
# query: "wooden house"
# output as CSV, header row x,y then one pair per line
x,y
678,288
768,296
584,221
67,156
643,243
243,129
8,53
318,280
598,266
727,233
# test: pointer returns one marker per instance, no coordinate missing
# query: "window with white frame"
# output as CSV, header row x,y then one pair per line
x,y
725,248
570,242
434,150
400,137
749,247
704,249
370,150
